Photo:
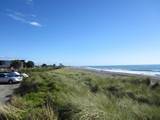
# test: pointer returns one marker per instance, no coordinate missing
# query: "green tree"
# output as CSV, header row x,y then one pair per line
x,y
44,65
60,65
54,66
16,64
30,64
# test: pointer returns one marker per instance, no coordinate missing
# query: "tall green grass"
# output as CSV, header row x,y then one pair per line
x,y
70,94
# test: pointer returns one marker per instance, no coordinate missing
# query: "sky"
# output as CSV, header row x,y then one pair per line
x,y
81,32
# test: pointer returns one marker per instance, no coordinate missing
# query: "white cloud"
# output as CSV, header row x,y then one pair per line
x,y
16,16
29,2
27,19
36,24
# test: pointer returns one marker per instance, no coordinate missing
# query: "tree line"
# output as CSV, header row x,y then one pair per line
x,y
18,64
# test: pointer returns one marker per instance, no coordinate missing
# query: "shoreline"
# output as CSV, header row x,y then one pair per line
x,y
117,73
146,73
153,79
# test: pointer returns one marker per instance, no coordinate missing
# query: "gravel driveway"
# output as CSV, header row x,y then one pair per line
x,y
6,90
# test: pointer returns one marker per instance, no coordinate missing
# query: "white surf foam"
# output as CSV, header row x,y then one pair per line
x,y
149,73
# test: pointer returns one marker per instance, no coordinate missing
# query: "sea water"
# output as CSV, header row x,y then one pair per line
x,y
152,70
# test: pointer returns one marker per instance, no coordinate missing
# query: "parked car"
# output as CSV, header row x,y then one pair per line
x,y
11,77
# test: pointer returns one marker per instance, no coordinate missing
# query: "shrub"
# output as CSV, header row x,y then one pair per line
x,y
28,86
94,88
155,86
147,81
30,64
16,64
66,112
44,65
116,91
131,95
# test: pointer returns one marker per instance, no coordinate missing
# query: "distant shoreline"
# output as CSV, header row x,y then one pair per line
x,y
147,70
116,73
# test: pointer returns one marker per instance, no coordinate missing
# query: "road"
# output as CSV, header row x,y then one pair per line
x,y
6,90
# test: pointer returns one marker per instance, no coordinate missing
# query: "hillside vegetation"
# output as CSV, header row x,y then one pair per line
x,y
71,94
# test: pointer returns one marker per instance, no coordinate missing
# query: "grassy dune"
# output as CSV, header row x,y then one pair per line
x,y
70,94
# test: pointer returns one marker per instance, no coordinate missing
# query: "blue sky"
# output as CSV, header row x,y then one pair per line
x,y
81,32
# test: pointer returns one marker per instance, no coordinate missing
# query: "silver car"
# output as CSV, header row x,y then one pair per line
x,y
11,77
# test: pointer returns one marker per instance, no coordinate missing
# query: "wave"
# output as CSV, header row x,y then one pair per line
x,y
138,72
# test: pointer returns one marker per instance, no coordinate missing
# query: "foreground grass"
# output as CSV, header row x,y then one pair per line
x,y
70,94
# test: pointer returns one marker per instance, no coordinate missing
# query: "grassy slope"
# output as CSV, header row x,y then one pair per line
x,y
67,94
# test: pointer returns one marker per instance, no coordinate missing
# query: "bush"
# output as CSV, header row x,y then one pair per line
x,y
94,88
16,64
115,91
27,87
66,112
44,65
29,64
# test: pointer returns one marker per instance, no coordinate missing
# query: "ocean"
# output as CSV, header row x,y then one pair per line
x,y
151,70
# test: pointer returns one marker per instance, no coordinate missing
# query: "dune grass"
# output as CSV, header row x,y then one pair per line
x,y
71,94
